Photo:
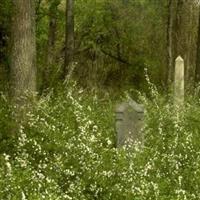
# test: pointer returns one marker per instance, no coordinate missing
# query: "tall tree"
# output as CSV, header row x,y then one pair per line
x,y
23,55
170,41
184,25
53,18
69,36
197,71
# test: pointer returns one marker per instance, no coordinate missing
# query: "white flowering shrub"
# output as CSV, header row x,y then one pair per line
x,y
66,150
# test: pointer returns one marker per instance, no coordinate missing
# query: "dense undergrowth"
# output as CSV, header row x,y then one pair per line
x,y
65,149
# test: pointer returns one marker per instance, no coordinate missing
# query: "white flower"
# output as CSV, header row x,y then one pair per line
x,y
23,196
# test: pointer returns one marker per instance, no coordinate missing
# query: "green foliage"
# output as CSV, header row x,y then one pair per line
x,y
6,124
120,39
114,42
65,150
5,19
64,147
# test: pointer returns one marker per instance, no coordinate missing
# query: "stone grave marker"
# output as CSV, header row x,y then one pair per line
x,y
129,122
179,81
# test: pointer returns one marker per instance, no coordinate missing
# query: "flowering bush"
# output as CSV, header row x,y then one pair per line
x,y
66,150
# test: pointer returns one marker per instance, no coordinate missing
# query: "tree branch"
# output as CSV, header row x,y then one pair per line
x,y
119,59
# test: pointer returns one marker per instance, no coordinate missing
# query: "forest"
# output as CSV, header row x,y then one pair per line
x,y
65,66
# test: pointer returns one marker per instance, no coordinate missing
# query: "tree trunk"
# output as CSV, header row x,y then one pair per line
x,y
23,54
182,31
197,70
185,37
53,9
69,37
169,73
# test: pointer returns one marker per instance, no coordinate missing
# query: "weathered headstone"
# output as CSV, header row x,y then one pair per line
x,y
179,81
129,122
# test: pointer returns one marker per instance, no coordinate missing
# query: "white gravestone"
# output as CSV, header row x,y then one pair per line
x,y
179,81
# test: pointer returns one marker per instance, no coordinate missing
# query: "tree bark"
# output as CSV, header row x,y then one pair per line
x,y
23,53
69,37
182,31
185,37
197,70
53,9
170,42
